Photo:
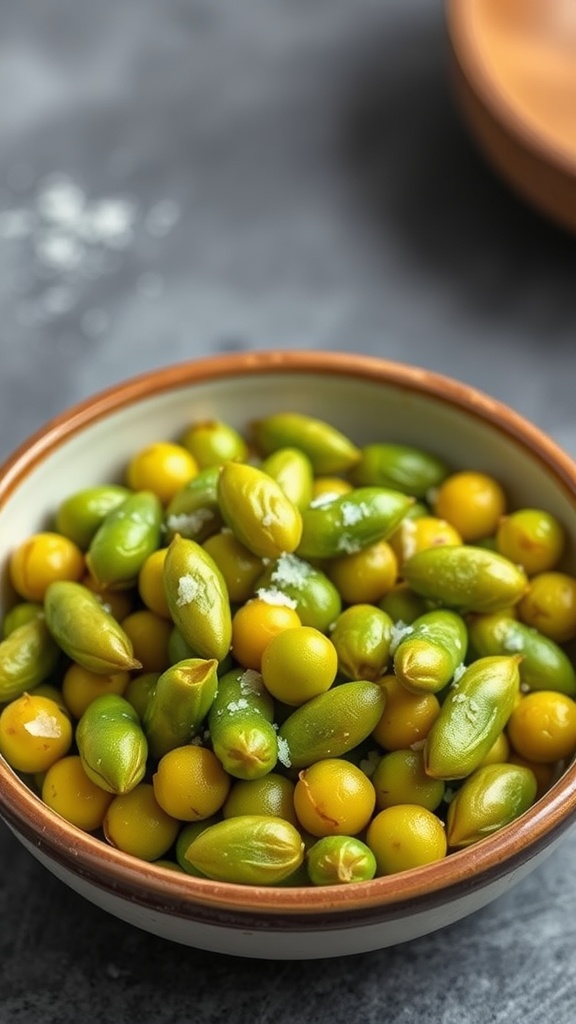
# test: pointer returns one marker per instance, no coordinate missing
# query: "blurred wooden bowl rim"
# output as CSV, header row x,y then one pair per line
x,y
514,68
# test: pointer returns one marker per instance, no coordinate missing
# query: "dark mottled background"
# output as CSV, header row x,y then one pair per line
x,y
181,178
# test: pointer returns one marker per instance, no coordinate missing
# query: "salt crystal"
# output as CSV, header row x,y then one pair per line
x,y
187,590
284,752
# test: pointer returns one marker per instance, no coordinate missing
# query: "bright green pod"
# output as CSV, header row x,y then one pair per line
x,y
85,630
328,449
194,512
139,691
27,657
465,577
213,442
339,860
362,635
315,598
178,648
492,797
431,651
19,614
399,778
292,470
198,599
125,539
251,849
331,724
257,511
111,744
179,703
544,665
351,522
473,715
399,466
403,604
186,836
81,514
240,723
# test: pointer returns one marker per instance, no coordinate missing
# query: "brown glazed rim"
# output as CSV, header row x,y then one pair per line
x,y
473,67
184,896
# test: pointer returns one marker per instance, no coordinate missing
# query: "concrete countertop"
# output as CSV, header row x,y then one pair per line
x,y
184,178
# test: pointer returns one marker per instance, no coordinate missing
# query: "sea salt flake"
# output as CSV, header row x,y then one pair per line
x,y
290,571
189,523
250,682
399,631
188,589
353,513
276,597
284,752
459,672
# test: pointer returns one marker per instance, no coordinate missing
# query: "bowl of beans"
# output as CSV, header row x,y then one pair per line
x,y
287,651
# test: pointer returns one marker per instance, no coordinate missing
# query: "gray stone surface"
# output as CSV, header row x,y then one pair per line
x,y
183,178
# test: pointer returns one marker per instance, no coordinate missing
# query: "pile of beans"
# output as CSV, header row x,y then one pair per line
x,y
276,657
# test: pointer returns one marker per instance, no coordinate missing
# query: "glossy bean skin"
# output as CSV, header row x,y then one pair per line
x,y
125,539
544,665
112,745
492,797
179,703
248,850
327,448
399,466
197,599
27,657
331,724
429,655
472,716
466,578
240,724
85,631
351,522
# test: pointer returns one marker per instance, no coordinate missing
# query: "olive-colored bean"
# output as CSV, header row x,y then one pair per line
x,y
82,513
198,599
472,716
316,599
351,522
19,614
399,466
250,849
257,511
179,703
27,657
328,449
292,470
544,665
85,630
240,725
465,577
194,512
331,724
338,860
213,442
492,797
427,657
125,539
362,635
112,745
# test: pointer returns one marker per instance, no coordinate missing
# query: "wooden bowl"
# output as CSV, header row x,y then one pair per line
x,y
367,398
514,65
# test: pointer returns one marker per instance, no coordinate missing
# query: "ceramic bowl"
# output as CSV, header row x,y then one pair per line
x,y
514,64
366,398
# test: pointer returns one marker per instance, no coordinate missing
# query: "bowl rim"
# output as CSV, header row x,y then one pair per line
x,y
472,65
186,896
